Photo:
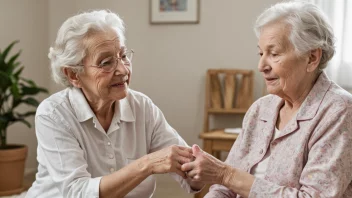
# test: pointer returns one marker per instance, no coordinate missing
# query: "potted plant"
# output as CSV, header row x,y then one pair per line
x,y
14,91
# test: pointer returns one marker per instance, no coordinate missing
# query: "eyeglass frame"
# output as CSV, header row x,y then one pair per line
x,y
131,51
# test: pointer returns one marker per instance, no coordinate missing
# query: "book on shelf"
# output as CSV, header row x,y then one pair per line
x,y
233,130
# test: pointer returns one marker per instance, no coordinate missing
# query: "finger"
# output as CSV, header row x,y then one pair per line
x,y
181,173
188,149
182,160
193,175
196,150
187,166
185,153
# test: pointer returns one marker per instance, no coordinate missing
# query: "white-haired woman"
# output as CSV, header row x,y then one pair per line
x,y
297,141
97,137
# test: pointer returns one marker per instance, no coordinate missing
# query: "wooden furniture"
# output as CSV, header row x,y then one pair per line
x,y
228,91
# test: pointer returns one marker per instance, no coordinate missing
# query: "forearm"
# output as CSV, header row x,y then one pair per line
x,y
238,181
120,183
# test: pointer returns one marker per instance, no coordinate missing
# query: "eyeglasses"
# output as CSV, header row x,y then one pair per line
x,y
110,64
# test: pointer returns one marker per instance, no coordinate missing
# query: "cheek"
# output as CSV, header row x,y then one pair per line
x,y
276,59
129,70
129,74
101,81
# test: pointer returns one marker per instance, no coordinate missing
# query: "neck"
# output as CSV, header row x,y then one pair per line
x,y
102,109
294,103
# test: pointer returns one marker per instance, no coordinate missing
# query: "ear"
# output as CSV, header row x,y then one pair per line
x,y
314,59
72,77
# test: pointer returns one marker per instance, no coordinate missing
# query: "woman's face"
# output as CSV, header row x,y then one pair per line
x,y
103,48
284,72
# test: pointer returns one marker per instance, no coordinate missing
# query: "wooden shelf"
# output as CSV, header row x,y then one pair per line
x,y
219,135
227,111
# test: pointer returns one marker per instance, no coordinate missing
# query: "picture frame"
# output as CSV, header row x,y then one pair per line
x,y
174,11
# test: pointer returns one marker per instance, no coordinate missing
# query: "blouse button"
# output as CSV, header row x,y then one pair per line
x,y
261,151
112,170
109,143
111,156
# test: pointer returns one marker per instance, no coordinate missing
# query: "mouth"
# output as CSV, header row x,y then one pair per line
x,y
122,83
270,79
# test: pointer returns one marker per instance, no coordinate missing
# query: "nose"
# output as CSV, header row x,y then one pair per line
x,y
263,64
121,68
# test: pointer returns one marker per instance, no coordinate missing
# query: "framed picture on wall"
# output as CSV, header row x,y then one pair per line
x,y
174,11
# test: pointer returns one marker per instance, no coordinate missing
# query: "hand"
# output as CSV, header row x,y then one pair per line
x,y
205,168
169,160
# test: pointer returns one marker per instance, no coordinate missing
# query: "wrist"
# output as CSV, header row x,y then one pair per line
x,y
144,165
227,175
195,185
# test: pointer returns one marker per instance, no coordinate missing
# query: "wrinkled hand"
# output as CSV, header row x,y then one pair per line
x,y
205,168
169,160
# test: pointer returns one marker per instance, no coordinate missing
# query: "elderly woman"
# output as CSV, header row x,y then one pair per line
x,y
97,137
297,141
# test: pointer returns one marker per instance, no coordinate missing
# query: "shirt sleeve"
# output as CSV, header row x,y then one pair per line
x,y
328,171
220,191
60,152
163,135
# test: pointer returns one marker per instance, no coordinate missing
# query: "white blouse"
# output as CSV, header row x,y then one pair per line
x,y
74,151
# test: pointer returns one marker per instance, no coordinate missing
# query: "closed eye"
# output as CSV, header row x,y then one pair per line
x,y
106,62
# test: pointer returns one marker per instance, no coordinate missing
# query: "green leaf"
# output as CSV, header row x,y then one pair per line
x,y
18,72
30,82
7,50
31,101
4,119
32,90
23,115
16,102
5,81
25,122
11,65
15,91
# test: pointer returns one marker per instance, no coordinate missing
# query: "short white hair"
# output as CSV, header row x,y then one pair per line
x,y
308,24
68,49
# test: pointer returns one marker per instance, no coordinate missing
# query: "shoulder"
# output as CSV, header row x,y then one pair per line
x,y
336,101
138,98
338,94
263,104
53,103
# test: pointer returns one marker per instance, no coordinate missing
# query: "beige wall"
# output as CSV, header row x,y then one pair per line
x,y
27,21
170,60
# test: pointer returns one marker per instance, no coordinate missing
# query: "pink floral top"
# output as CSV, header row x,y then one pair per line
x,y
312,157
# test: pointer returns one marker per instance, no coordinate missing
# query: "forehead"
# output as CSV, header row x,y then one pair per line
x,y
273,35
99,41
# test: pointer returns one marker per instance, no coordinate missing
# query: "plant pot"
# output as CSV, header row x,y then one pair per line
x,y
12,162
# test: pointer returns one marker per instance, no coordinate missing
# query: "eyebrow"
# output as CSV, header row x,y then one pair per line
x,y
271,46
109,52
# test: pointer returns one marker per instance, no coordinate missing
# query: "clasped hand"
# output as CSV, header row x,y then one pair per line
x,y
190,163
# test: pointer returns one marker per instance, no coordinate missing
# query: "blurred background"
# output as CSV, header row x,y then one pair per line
x,y
170,61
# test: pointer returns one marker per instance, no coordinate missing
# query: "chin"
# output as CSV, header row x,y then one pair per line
x,y
120,96
271,90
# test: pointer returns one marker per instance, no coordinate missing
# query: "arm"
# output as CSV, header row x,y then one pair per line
x,y
327,172
64,159
163,135
163,161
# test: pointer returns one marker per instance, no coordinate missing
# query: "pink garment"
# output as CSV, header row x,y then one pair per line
x,y
312,157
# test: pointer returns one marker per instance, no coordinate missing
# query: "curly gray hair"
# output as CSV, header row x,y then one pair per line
x,y
68,49
309,27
